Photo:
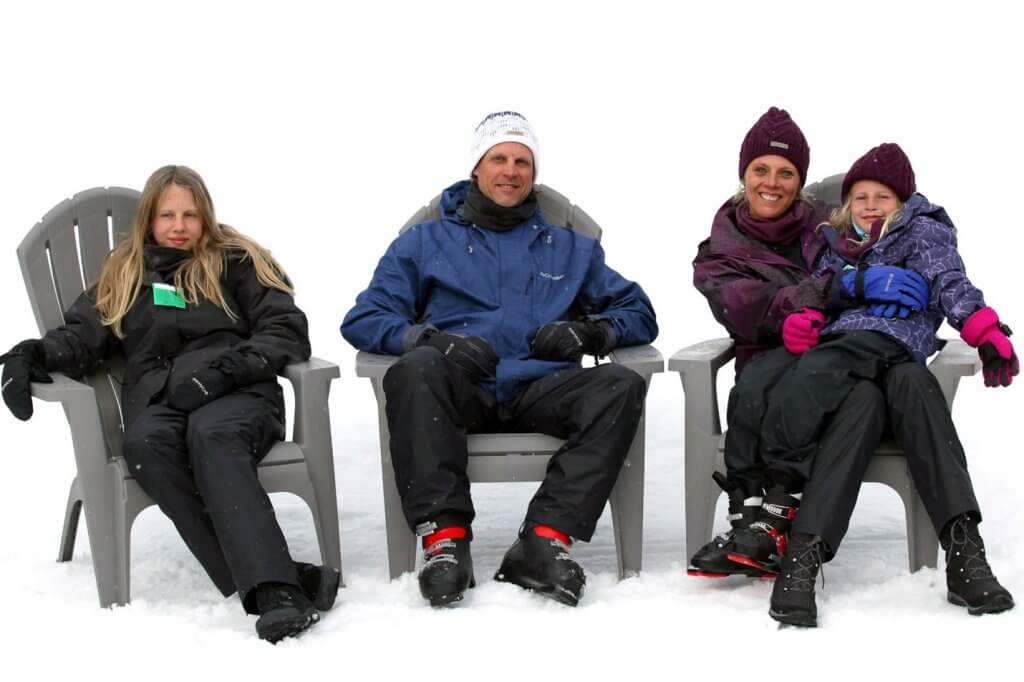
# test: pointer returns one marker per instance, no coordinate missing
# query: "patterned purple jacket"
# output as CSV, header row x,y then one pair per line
x,y
751,288
922,239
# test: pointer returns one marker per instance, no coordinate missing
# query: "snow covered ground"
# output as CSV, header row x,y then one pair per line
x,y
320,129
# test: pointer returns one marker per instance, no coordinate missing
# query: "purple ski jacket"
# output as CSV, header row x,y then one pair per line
x,y
922,239
751,288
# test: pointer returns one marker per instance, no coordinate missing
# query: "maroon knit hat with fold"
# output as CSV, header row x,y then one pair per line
x,y
886,164
776,133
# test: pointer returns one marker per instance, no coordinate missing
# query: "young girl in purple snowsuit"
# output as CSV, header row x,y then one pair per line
x,y
884,223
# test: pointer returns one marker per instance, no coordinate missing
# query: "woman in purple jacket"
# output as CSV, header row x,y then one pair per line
x,y
755,270
884,223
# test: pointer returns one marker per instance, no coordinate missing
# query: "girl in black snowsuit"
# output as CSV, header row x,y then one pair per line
x,y
205,319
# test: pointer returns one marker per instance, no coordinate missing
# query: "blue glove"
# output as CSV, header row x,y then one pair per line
x,y
888,310
890,291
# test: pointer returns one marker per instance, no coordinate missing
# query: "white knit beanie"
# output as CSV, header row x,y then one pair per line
x,y
502,126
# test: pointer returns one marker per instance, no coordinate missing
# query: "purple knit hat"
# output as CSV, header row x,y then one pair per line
x,y
776,133
886,164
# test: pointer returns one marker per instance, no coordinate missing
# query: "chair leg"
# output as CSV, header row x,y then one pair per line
x,y
922,542
70,528
700,497
627,504
401,541
327,531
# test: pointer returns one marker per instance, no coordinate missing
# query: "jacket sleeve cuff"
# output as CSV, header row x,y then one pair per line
x,y
416,333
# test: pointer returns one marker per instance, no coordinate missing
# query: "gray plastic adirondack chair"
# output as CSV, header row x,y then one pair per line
x,y
502,457
698,367
64,250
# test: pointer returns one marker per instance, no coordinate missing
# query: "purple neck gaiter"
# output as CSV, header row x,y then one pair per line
x,y
779,230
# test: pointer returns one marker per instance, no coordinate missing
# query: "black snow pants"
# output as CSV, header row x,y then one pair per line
x,y
851,434
432,406
200,468
816,391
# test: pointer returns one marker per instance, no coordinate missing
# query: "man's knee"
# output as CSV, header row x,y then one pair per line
x,y
617,380
417,367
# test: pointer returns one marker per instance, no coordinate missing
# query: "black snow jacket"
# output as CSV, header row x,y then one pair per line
x,y
163,345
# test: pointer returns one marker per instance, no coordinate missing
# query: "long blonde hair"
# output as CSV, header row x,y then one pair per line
x,y
841,221
120,281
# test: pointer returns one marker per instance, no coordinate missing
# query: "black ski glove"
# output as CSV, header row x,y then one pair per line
x,y
571,340
206,384
471,354
23,364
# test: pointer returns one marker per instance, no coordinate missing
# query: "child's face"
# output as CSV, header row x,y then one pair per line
x,y
871,201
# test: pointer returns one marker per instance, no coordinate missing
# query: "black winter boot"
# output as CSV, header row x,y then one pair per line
x,y
284,611
712,560
539,560
448,565
969,578
793,593
319,584
764,542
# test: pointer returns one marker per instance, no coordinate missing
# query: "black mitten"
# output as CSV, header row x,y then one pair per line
x,y
471,354
23,364
571,340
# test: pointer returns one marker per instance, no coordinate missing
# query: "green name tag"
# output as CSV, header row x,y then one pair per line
x,y
167,296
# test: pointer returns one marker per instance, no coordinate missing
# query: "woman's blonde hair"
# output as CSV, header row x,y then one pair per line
x,y
841,221
120,281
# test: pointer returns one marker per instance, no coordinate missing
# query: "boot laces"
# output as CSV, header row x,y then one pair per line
x,y
803,567
969,546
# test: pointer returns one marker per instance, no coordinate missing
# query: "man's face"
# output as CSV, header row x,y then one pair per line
x,y
505,174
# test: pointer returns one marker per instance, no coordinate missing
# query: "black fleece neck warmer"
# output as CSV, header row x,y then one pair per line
x,y
480,210
162,261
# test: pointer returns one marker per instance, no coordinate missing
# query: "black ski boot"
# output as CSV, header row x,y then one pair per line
x,y
448,565
712,560
793,593
969,578
539,560
319,584
764,542
284,611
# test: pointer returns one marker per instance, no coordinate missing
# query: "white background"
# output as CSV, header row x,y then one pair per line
x,y
320,128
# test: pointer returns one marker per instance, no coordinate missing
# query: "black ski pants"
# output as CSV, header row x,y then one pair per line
x,y
851,434
200,469
815,391
432,406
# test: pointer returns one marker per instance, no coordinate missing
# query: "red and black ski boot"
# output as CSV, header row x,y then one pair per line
x,y
539,561
447,564
712,560
763,543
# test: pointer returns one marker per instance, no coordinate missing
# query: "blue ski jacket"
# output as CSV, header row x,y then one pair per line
x,y
499,285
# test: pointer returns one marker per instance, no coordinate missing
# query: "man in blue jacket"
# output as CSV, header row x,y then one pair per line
x,y
492,308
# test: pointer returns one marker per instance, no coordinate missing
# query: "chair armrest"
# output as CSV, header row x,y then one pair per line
x,y
698,367
64,389
311,381
644,360
714,353
373,365
955,360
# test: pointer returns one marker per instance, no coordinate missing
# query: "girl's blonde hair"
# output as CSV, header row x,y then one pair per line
x,y
120,281
841,221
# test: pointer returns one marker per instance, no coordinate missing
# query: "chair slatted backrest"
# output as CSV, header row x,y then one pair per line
x,y
63,254
828,189
557,209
